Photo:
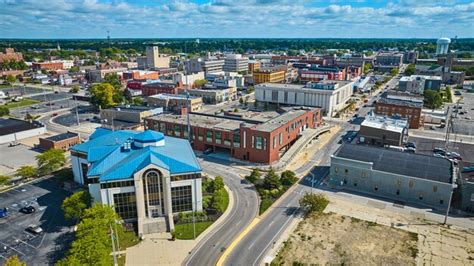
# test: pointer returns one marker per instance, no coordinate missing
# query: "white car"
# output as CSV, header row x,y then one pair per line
x,y
35,229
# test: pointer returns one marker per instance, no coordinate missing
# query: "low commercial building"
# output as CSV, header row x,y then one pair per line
x,y
386,61
9,54
12,129
157,87
254,65
447,76
400,176
401,105
254,137
188,79
208,64
175,102
381,131
235,63
330,95
322,73
141,175
412,84
214,95
141,75
269,74
98,75
127,116
51,65
62,141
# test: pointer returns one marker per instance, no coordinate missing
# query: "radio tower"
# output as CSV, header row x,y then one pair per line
x,y
108,37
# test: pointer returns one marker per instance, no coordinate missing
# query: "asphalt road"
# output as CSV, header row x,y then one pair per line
x,y
245,209
253,247
43,249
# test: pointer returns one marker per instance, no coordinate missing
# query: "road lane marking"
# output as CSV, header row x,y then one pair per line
x,y
237,240
251,245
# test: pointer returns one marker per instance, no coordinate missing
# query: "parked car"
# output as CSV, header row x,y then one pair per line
x,y
438,155
410,150
410,145
432,128
34,229
439,151
442,126
28,209
207,151
3,212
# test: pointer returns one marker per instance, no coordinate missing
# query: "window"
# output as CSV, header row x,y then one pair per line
x,y
421,196
236,140
177,130
258,143
264,143
162,127
128,183
208,135
125,205
376,188
274,141
398,191
435,188
336,169
218,137
441,202
355,184
410,184
281,138
184,177
346,171
363,174
345,182
200,137
181,199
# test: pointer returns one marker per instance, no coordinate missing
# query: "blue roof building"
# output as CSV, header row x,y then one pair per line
x,y
146,176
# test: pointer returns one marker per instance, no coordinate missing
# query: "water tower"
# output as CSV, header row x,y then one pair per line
x,y
442,46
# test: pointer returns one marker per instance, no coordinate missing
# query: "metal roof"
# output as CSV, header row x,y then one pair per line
x,y
401,163
110,161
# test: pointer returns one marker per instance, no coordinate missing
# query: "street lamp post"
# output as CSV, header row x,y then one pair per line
x,y
449,203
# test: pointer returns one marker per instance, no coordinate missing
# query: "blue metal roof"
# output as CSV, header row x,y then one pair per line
x,y
110,162
149,136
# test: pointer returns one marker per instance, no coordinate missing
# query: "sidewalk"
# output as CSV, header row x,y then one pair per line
x,y
157,249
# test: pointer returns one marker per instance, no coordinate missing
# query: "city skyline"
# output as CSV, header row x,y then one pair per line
x,y
228,19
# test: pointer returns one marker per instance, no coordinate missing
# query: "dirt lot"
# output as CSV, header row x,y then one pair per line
x,y
336,239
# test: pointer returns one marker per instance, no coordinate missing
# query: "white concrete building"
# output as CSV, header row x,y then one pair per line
x,y
141,175
330,95
156,60
235,63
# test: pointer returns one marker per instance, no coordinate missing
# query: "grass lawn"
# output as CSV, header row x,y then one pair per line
x,y
128,239
24,102
185,231
264,205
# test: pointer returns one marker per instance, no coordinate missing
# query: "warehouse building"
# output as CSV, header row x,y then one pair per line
x,y
400,176
381,131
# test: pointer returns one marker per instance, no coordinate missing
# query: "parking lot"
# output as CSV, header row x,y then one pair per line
x,y
85,113
464,122
426,146
35,249
11,158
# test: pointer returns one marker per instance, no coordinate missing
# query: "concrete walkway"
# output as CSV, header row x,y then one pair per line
x,y
157,249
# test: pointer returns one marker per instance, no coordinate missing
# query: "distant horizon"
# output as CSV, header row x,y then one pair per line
x,y
236,38
225,19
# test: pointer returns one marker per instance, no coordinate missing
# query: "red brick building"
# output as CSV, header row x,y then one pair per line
x,y
154,87
401,105
10,54
141,75
322,73
246,138
47,65
62,141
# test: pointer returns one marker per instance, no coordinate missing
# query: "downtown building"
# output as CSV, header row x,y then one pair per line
x,y
249,136
141,175
235,63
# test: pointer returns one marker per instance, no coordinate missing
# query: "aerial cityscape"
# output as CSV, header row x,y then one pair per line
x,y
218,132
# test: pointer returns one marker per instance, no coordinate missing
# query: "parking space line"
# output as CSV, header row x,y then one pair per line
x,y
26,243
13,248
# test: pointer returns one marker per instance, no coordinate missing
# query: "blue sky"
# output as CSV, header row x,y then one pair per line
x,y
236,18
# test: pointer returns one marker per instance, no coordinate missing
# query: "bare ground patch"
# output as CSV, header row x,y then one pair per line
x,y
335,239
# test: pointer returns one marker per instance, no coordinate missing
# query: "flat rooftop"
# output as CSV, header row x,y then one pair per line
x,y
131,108
467,171
402,163
282,86
264,121
402,100
63,136
166,96
385,123
11,125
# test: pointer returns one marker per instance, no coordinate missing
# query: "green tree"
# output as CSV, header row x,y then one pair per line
x,y
288,178
220,200
75,205
250,89
449,95
241,100
14,261
394,71
137,101
50,161
26,171
410,70
367,67
74,89
4,111
102,95
314,203
217,184
4,179
114,80
271,180
93,245
10,78
254,176
199,83
74,69
433,99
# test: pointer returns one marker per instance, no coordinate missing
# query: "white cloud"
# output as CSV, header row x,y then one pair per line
x,y
227,18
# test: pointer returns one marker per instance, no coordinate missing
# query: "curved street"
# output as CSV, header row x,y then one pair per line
x,y
245,209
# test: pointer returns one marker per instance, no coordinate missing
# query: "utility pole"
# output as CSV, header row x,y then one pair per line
x,y
449,204
77,112
113,245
